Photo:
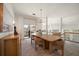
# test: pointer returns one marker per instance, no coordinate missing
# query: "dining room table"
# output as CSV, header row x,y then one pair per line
x,y
49,40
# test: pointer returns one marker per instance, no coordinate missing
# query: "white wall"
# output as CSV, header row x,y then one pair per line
x,y
8,16
19,25
9,8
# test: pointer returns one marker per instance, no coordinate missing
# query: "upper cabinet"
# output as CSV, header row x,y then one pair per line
x,y
1,17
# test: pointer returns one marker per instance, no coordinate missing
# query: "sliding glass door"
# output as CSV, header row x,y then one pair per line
x,y
71,28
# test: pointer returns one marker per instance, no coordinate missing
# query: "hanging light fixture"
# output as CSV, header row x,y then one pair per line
x,y
40,15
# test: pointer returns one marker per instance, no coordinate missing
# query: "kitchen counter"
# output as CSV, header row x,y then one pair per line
x,y
3,34
9,44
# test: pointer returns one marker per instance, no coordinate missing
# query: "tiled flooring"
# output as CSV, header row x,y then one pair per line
x,y
71,49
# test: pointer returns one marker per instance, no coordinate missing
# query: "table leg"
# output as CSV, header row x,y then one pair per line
x,y
31,40
63,50
43,44
50,47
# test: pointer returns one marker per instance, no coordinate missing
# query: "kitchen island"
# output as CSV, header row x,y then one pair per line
x,y
9,44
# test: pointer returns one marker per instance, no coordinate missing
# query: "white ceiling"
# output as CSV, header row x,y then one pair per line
x,y
48,9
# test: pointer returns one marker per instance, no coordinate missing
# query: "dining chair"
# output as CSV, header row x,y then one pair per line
x,y
32,38
38,43
56,33
59,47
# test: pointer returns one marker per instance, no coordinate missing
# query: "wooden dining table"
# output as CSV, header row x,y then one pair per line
x,y
51,39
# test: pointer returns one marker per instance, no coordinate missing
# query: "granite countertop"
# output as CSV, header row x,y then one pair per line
x,y
3,34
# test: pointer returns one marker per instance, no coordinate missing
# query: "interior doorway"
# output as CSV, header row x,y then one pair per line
x,y
26,31
29,29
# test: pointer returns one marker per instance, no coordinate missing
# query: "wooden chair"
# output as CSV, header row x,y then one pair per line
x,y
32,38
57,33
59,46
38,42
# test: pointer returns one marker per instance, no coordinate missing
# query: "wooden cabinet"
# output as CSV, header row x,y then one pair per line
x,y
10,45
1,16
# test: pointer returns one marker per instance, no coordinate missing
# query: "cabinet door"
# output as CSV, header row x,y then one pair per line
x,y
10,47
1,17
0,47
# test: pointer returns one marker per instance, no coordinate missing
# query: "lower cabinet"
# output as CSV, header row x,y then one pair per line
x,y
10,46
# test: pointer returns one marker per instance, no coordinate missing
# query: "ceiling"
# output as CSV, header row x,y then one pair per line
x,y
48,9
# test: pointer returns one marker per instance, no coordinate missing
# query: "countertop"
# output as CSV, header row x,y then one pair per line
x,y
3,34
